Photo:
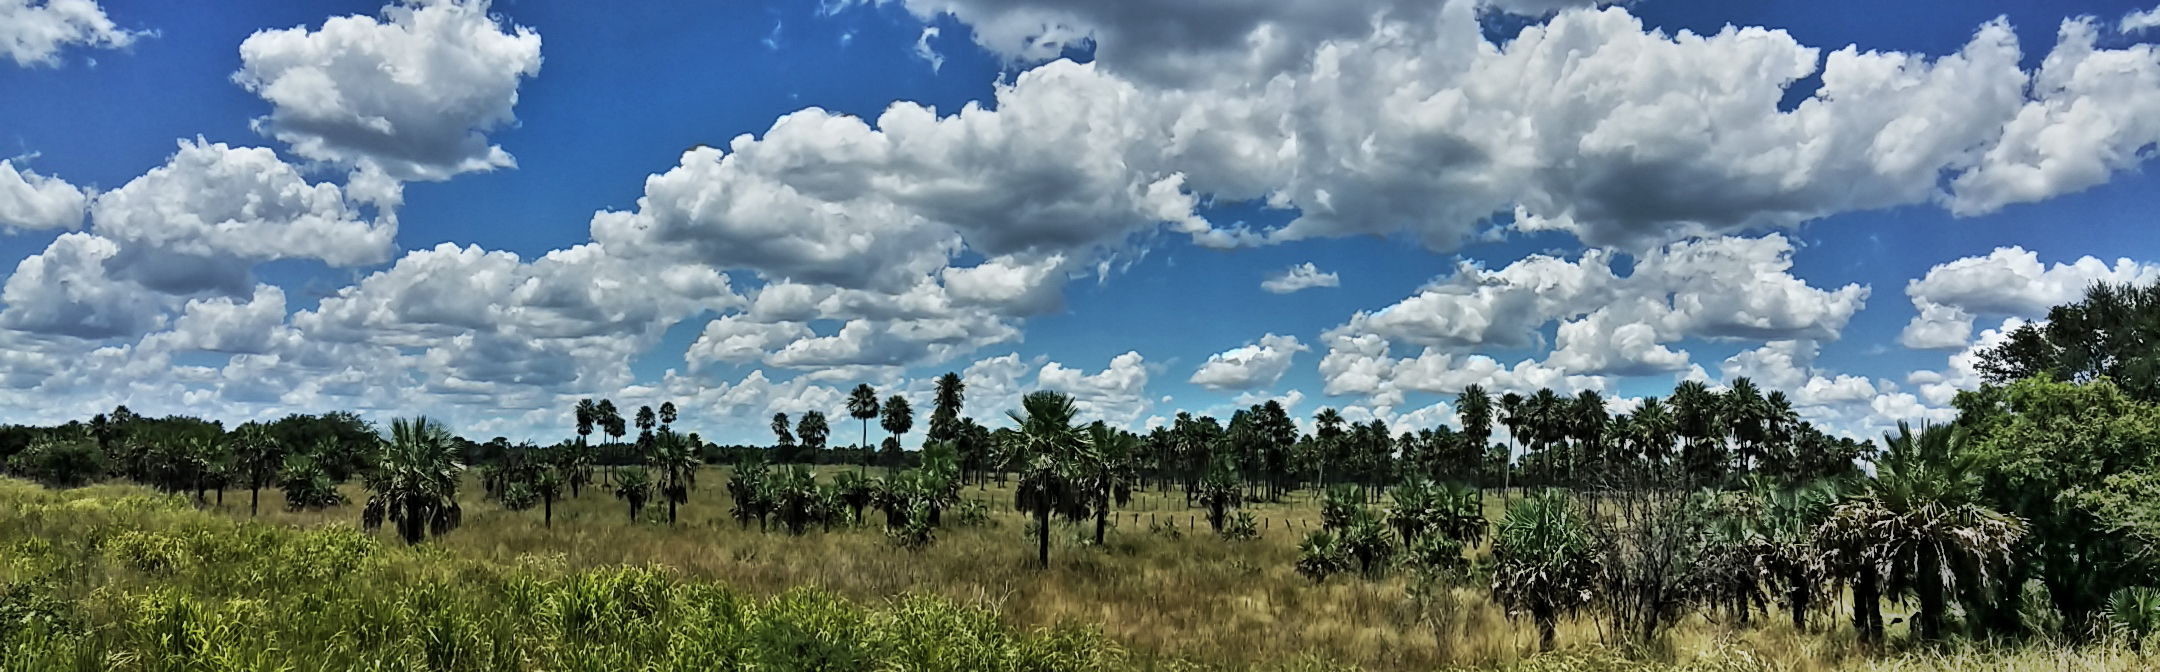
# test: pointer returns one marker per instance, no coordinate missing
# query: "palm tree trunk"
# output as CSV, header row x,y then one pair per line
x,y
1548,628
1102,516
1867,607
548,504
1931,594
671,511
254,499
1042,529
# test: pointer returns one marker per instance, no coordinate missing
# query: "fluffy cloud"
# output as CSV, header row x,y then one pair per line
x,y
32,32
194,226
2011,281
2093,112
1301,276
1724,287
1055,171
410,95
32,201
1117,394
2139,21
215,201
65,291
222,324
1589,122
1608,324
1252,365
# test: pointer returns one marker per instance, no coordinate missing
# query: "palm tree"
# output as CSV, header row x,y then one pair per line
x,y
1110,477
1695,416
646,420
1588,422
1791,558
1779,425
1654,430
1743,412
1548,421
415,481
812,431
863,405
1545,561
1511,416
1327,429
258,456
677,460
898,418
1474,408
945,405
783,440
611,423
667,414
634,486
1937,523
1914,527
1045,448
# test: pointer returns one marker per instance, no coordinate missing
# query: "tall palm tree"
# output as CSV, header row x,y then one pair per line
x,y
646,420
1047,451
1588,421
415,481
863,405
576,464
677,459
783,440
1327,429
811,431
1512,417
1109,475
611,424
945,404
1743,412
897,419
1695,416
1549,425
258,456
1780,423
1474,408
667,415
1654,429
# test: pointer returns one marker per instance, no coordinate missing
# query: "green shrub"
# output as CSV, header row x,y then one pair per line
x,y
59,463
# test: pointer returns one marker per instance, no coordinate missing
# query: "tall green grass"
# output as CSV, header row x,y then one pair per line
x,y
114,578
108,579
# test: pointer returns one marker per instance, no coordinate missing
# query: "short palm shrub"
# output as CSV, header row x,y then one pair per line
x,y
307,486
1241,527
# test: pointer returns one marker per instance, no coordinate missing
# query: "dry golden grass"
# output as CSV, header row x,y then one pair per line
x,y
1194,598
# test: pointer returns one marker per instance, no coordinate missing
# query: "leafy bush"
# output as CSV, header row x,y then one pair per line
x,y
519,496
59,463
916,532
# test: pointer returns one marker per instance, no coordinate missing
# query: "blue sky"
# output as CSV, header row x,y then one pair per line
x,y
1102,221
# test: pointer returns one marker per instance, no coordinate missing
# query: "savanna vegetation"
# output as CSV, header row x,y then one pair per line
x,y
1709,529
